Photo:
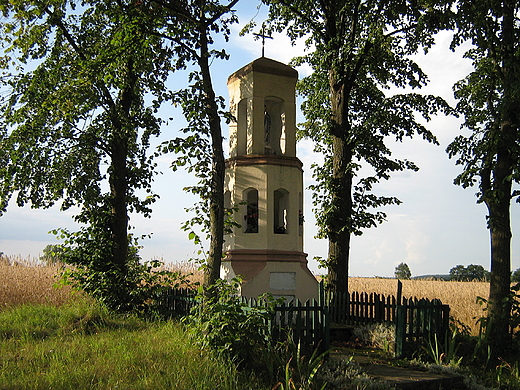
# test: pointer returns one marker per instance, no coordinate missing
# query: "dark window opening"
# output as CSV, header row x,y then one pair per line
x,y
251,217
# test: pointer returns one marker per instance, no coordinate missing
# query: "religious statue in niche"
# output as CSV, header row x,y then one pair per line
x,y
267,132
251,218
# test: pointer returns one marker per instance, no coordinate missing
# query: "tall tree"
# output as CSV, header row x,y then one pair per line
x,y
75,126
469,273
402,271
358,50
191,26
489,98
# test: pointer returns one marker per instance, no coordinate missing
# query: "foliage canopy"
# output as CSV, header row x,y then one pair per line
x,y
402,271
470,273
489,99
82,83
358,51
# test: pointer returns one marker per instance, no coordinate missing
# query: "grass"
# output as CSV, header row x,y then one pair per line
x,y
55,338
79,346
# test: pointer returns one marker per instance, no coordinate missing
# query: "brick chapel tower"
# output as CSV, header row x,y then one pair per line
x,y
264,178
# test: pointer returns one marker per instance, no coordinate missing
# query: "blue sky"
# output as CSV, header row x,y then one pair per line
x,y
438,226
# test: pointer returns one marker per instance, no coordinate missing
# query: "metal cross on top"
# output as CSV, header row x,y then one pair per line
x,y
263,36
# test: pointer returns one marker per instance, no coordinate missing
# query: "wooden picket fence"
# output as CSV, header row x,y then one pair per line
x,y
361,308
176,302
416,321
307,322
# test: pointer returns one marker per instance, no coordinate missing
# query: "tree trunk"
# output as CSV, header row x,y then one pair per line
x,y
118,179
499,200
499,204
499,287
119,217
341,191
339,233
216,201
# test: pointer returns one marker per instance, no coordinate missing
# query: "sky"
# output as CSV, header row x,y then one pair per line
x,y
438,225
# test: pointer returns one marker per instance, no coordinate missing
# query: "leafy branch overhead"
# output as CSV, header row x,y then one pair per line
x,y
83,86
191,27
488,154
84,83
358,51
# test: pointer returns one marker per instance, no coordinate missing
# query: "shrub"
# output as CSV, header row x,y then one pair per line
x,y
228,326
377,335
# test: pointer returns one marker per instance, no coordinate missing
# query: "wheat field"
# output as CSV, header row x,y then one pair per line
x,y
25,281
29,281
461,296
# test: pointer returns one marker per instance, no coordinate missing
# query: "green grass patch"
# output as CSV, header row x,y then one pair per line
x,y
83,346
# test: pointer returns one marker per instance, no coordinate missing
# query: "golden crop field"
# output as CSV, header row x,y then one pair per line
x,y
461,296
25,281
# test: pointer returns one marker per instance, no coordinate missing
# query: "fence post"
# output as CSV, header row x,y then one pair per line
x,y
400,330
321,293
445,315
326,328
399,292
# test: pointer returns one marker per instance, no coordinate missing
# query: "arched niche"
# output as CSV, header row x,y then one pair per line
x,y
250,198
281,211
227,206
243,138
275,138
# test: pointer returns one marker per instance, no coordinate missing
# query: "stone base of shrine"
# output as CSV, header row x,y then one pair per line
x,y
280,273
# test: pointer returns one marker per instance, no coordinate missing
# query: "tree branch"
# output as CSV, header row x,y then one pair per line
x,y
303,15
176,9
353,31
225,9
57,20
492,50
400,30
178,41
